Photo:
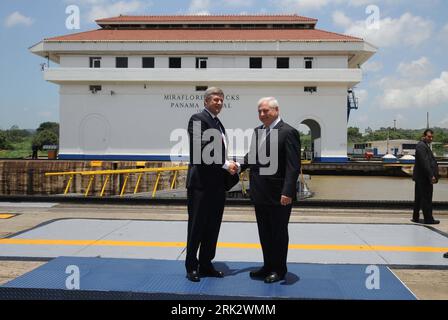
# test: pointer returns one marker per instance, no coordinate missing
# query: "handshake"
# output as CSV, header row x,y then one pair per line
x,y
233,167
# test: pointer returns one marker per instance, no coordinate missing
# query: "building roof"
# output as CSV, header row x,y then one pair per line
x,y
109,35
292,18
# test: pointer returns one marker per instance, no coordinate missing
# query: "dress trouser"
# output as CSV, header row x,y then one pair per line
x,y
205,210
274,238
423,200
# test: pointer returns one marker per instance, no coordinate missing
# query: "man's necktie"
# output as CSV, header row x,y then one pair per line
x,y
219,124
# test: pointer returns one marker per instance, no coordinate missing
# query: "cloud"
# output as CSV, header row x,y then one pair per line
x,y
106,9
98,9
443,35
408,30
302,5
434,93
314,5
16,18
372,66
362,95
239,3
415,69
199,7
444,123
341,20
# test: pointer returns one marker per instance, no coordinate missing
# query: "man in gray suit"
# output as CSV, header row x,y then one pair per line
x,y
426,174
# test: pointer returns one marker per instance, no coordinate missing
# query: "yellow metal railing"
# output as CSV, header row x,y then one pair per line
x,y
126,172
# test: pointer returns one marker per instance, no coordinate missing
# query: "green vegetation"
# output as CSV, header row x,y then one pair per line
x,y
355,136
440,136
17,143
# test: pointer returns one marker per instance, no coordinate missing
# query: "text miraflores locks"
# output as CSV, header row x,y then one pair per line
x,y
192,101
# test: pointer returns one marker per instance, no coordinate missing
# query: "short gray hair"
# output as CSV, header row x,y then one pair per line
x,y
213,91
271,101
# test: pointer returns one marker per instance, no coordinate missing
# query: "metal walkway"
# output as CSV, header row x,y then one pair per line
x,y
99,278
328,243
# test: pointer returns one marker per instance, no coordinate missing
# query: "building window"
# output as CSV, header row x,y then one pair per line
x,y
310,89
201,63
282,63
95,88
95,62
201,88
121,62
255,63
175,63
148,62
309,63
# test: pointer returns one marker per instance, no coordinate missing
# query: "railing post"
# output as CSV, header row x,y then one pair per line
x,y
138,182
89,186
69,183
104,186
124,185
156,185
174,180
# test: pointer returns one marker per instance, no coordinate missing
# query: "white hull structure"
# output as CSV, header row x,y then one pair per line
x,y
128,89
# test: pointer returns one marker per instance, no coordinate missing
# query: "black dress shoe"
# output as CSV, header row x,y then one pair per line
x,y
273,277
432,222
193,276
213,273
260,273
415,220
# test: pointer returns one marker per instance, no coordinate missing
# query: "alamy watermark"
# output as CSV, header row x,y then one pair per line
x,y
373,280
373,21
73,281
73,21
207,146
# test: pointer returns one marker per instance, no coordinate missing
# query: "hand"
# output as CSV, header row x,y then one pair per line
x,y
233,168
285,201
434,180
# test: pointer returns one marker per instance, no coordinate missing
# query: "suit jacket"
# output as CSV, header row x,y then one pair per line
x,y
201,175
426,165
268,189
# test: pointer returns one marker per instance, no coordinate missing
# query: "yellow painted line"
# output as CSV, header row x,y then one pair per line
x,y
6,215
228,245
106,243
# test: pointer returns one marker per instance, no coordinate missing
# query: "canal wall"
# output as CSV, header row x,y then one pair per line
x,y
27,177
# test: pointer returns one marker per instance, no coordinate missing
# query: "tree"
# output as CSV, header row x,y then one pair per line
x,y
354,135
15,134
45,137
50,126
5,144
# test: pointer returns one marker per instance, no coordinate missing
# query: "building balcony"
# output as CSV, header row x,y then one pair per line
x,y
349,77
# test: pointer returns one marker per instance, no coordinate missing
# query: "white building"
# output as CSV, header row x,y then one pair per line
x,y
125,87
399,147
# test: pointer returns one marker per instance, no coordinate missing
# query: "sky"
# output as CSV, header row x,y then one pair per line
x,y
405,79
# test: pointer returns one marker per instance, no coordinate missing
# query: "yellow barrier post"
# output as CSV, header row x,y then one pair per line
x,y
174,180
89,186
124,185
68,185
156,185
104,186
138,182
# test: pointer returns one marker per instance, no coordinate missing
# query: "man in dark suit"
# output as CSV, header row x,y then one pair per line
x,y
274,162
426,174
206,186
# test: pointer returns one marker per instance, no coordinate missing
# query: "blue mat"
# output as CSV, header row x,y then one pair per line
x,y
166,280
